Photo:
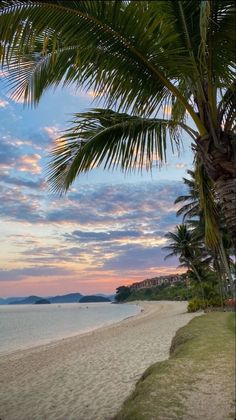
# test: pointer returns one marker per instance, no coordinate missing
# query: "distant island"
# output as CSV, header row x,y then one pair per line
x,y
68,298
30,300
93,298
42,302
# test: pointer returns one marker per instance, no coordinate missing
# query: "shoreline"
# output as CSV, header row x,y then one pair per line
x,y
88,376
72,335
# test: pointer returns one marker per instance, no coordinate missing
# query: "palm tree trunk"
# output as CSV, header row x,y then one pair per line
x,y
227,268
226,189
200,282
221,282
219,159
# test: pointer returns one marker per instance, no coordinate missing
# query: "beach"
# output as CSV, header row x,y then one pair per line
x,y
87,377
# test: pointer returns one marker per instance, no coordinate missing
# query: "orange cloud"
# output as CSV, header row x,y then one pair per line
x,y
180,165
53,132
29,163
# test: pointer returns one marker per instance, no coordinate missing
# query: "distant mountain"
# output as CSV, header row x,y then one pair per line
x,y
3,301
7,301
42,302
70,298
94,298
25,301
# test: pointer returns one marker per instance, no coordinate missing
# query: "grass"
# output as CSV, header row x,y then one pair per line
x,y
196,382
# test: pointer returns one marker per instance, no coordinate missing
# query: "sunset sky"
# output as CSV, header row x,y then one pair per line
x,y
107,231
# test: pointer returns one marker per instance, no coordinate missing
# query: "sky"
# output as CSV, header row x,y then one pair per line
x,y
109,230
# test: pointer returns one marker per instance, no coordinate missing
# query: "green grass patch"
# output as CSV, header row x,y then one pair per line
x,y
201,355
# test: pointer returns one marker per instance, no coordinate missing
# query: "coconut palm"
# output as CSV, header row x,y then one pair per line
x,y
190,201
184,244
165,66
191,253
204,214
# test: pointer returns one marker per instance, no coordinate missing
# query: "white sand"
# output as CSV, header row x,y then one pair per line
x,y
88,377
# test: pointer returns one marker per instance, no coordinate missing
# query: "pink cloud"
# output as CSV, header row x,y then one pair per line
x,y
3,103
180,165
53,132
29,163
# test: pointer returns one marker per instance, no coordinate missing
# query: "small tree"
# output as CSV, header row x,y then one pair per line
x,y
122,293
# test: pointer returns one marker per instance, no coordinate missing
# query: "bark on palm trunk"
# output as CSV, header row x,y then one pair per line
x,y
226,189
219,159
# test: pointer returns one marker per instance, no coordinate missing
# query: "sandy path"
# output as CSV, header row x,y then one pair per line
x,y
88,377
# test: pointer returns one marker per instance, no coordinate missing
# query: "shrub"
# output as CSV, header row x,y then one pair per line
x,y
195,305
230,304
215,301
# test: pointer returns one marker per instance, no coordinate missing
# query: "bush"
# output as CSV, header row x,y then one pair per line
x,y
230,304
215,301
195,305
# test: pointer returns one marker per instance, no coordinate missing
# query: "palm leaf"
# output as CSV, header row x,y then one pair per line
x,y
111,139
208,206
130,50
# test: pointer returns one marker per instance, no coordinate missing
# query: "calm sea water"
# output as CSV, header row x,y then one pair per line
x,y
24,326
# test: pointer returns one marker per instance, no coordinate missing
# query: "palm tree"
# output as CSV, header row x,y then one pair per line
x,y
190,252
190,201
183,245
205,216
163,65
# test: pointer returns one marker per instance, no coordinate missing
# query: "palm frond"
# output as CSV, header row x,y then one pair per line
x,y
129,50
207,204
227,109
111,139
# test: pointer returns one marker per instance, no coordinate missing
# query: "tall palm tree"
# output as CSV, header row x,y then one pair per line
x,y
163,65
205,216
183,244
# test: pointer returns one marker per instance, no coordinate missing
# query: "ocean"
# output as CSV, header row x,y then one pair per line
x,y
25,326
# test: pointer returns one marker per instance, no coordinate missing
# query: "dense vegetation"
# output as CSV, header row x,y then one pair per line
x,y
179,291
202,242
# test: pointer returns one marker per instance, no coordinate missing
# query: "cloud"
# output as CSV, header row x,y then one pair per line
x,y
7,179
22,273
101,212
8,154
3,103
89,94
13,155
107,236
121,204
134,257
181,165
120,228
18,206
29,163
52,132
